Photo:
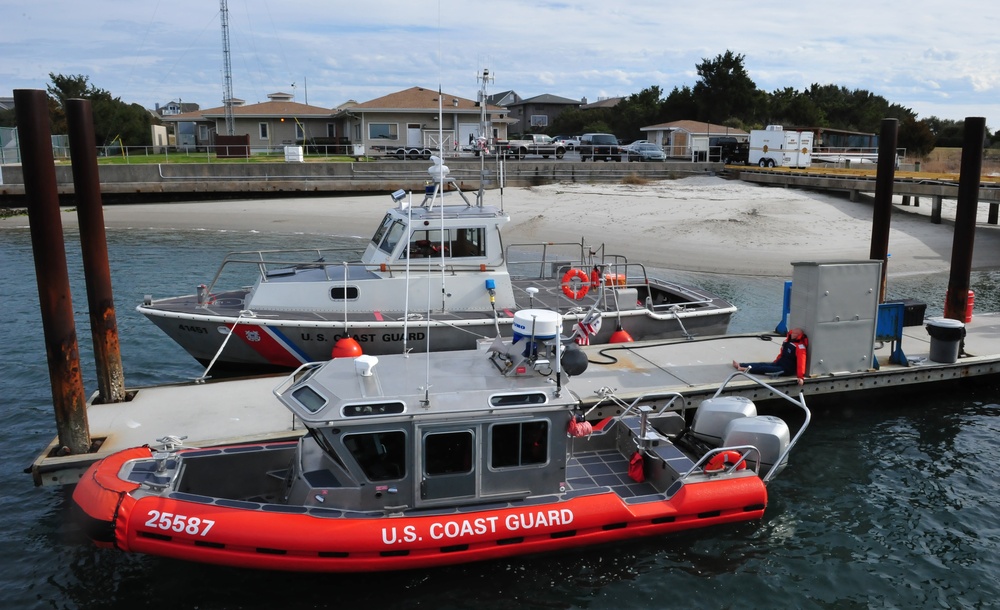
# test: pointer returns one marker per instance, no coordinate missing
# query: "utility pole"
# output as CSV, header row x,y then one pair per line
x,y
227,70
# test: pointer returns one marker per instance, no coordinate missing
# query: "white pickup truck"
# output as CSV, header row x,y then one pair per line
x,y
535,144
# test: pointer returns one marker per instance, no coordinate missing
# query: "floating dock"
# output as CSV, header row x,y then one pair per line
x,y
246,411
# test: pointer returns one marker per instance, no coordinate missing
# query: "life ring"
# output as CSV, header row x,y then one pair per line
x,y
722,461
581,277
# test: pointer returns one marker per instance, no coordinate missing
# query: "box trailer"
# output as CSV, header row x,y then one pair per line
x,y
775,147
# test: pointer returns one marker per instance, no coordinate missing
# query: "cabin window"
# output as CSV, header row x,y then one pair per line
x,y
514,400
309,399
262,131
460,243
382,408
470,242
382,228
383,131
429,244
448,453
521,444
344,293
392,237
381,455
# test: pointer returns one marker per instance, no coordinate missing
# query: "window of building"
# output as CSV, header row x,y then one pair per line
x,y
539,120
203,132
262,128
331,130
383,131
521,444
300,133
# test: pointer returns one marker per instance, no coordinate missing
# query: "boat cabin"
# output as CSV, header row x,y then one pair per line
x,y
399,435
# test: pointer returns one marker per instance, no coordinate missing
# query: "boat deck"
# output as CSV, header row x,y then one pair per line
x,y
605,469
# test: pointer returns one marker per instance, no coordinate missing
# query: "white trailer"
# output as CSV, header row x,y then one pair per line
x,y
775,147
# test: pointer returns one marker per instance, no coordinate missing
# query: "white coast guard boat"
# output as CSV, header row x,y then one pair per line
x,y
428,267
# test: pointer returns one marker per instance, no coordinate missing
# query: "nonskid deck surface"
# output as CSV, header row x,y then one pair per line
x,y
600,469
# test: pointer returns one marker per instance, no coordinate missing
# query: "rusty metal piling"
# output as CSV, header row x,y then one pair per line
x,y
884,177
970,175
93,242
51,273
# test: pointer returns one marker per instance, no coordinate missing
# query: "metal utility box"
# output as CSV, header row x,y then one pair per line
x,y
836,304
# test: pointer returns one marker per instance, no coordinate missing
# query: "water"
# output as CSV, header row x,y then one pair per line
x,y
885,504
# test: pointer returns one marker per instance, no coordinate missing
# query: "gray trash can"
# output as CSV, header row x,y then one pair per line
x,y
946,338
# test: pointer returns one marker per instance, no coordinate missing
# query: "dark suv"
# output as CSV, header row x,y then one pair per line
x,y
728,150
599,146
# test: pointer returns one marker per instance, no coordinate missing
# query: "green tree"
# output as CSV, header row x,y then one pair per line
x,y
637,111
725,89
791,107
679,105
114,120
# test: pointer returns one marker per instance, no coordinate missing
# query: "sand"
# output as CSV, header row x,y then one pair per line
x,y
701,224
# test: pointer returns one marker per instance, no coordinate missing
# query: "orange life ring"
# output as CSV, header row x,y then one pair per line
x,y
722,461
579,275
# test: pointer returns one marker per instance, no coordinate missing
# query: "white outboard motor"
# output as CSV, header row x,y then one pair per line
x,y
714,414
769,434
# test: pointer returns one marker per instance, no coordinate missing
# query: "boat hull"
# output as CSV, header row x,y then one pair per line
x,y
275,341
244,534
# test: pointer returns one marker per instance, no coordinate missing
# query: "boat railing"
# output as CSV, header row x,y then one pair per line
x,y
261,259
278,263
799,402
747,453
553,260
665,400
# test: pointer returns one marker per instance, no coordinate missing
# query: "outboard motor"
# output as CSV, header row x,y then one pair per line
x,y
714,414
769,434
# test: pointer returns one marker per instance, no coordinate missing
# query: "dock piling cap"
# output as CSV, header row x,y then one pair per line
x,y
945,323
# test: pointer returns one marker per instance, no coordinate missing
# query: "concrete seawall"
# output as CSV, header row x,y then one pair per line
x,y
159,182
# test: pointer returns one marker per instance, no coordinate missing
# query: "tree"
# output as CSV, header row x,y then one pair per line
x,y
679,105
725,89
637,111
114,120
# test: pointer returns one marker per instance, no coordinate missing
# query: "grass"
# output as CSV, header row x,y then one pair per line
x,y
949,161
182,158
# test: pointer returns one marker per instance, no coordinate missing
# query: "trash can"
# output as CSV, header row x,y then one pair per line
x,y
946,337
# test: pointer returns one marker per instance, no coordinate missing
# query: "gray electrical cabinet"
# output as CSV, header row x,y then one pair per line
x,y
836,304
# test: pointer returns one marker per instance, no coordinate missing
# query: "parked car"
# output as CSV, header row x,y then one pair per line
x,y
646,151
631,146
599,146
570,142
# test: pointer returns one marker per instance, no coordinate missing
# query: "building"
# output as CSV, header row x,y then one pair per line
x,y
419,118
684,139
535,114
270,125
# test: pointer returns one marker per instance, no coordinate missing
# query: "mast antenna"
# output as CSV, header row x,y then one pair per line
x,y
227,70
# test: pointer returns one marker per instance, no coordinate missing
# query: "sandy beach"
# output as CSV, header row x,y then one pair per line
x,y
703,224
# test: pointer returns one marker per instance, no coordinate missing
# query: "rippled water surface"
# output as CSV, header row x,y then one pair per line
x,y
888,503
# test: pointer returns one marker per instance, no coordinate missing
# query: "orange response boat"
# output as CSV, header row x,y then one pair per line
x,y
443,458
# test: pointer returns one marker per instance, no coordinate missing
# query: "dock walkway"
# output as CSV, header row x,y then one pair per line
x,y
245,410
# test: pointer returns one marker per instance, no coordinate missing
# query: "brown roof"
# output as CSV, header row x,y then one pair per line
x,y
698,127
264,109
418,98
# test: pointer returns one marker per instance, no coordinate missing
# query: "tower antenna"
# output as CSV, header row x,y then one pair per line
x,y
227,70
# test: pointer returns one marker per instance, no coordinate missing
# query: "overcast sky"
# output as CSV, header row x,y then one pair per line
x,y
936,58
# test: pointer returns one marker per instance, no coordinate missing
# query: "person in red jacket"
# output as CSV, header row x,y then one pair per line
x,y
790,361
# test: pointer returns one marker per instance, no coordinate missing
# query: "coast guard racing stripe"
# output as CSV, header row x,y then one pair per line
x,y
270,343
